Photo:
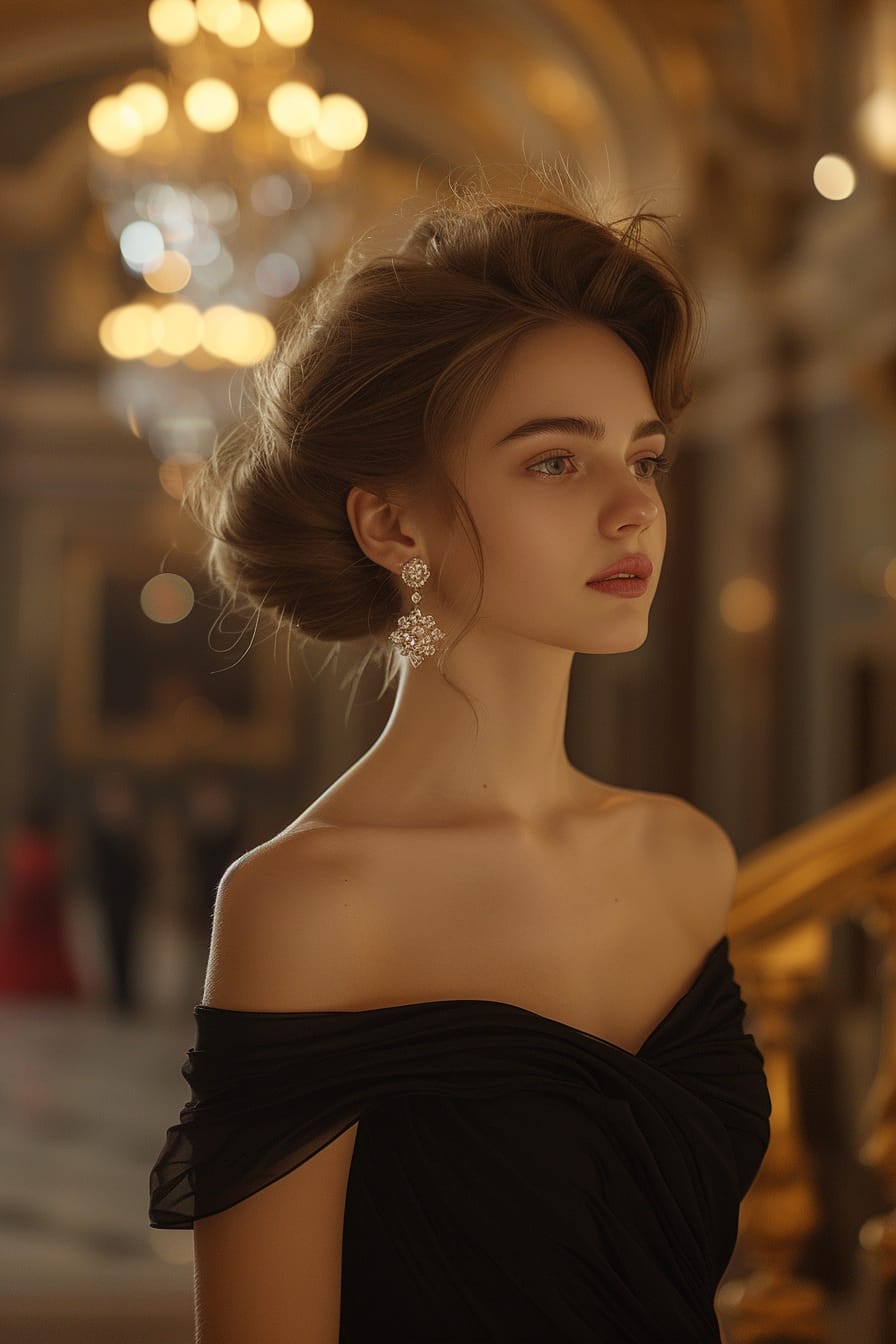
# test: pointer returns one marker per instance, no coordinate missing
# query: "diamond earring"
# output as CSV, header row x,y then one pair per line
x,y
416,635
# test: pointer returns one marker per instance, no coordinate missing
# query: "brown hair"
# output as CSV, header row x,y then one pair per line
x,y
387,362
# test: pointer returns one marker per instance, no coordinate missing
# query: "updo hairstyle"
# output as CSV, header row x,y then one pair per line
x,y
382,368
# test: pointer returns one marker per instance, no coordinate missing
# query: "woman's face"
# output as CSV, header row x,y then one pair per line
x,y
553,508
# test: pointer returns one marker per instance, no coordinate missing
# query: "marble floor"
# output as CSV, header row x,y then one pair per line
x,y
86,1096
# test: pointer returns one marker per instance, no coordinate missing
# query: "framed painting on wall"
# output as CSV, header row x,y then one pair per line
x,y
136,685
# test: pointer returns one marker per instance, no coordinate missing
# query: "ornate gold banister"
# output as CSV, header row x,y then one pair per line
x,y
791,892
818,869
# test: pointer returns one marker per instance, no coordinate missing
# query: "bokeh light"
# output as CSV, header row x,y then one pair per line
x,y
211,105
214,275
313,153
277,275
834,177
173,22
221,205
294,107
131,331
237,335
115,126
242,29
876,126
746,605
289,23
167,598
170,274
141,244
213,15
271,195
181,328
149,103
342,123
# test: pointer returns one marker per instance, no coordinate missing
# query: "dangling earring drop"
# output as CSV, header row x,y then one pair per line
x,y
416,635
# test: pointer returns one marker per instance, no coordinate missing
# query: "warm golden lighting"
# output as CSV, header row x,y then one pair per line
x,y
342,123
130,332
558,92
256,340
233,334
876,126
150,104
167,598
294,108
115,126
312,153
213,15
218,327
170,274
181,328
174,22
834,177
244,30
746,605
289,23
175,472
211,105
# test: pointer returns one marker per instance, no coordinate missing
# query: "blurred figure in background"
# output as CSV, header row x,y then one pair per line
x,y
35,956
214,832
119,868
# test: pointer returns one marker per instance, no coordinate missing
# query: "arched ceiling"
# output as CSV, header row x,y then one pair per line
x,y
711,110
647,85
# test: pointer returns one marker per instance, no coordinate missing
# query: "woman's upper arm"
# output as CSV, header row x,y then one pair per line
x,y
268,1270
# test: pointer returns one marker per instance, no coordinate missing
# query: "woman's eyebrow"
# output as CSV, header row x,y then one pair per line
x,y
583,426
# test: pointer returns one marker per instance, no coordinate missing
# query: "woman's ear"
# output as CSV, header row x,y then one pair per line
x,y
381,528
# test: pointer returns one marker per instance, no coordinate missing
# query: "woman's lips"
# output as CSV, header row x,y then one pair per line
x,y
621,587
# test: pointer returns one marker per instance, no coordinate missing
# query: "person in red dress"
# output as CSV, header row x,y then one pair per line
x,y
35,957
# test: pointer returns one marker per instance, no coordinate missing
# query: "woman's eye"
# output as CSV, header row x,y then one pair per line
x,y
547,461
660,464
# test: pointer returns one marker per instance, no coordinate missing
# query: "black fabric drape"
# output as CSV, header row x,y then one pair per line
x,y
514,1178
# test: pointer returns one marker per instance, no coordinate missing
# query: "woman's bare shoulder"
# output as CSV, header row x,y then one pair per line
x,y
688,824
699,854
289,924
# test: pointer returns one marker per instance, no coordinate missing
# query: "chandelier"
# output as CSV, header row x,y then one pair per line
x,y
222,175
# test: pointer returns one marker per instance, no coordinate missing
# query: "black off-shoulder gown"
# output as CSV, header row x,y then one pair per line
x,y
514,1179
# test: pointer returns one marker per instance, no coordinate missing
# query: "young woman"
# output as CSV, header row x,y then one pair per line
x,y
470,1063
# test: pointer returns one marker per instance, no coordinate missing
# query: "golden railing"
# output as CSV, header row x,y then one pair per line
x,y
797,896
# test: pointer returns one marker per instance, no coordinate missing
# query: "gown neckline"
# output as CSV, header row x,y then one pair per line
x,y
708,959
